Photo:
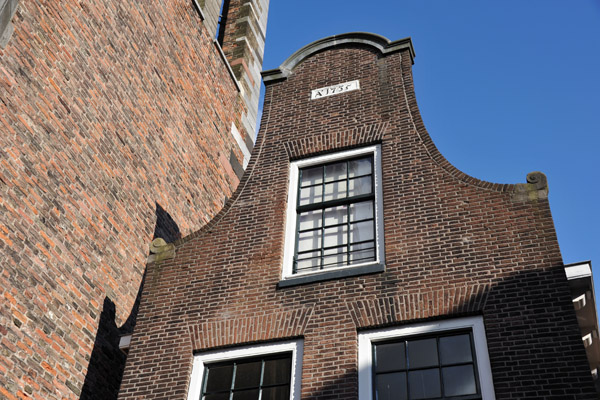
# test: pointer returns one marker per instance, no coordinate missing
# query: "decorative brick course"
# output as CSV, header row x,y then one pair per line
x,y
454,246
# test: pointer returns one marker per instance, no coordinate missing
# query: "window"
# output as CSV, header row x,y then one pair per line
x,y
334,223
436,360
266,372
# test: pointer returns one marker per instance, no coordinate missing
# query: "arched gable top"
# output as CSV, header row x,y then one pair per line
x,y
382,44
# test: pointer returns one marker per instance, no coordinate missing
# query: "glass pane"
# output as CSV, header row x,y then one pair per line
x,y
276,393
335,236
334,191
277,371
422,353
219,378
391,386
362,210
311,264
336,215
359,167
311,176
335,261
247,375
455,349
424,384
359,186
251,394
309,240
459,380
217,396
335,172
362,256
390,357
311,195
361,231
311,219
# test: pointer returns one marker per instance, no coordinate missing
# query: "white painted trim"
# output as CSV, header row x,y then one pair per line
x,y
334,89
366,340
290,226
125,342
296,347
582,270
241,144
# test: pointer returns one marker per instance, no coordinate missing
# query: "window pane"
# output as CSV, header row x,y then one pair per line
x,y
311,176
361,231
335,172
336,215
359,167
311,195
422,353
362,256
309,240
334,191
390,357
455,349
391,386
246,395
459,380
277,371
310,219
276,393
247,375
362,210
336,235
424,384
219,378
335,261
217,396
311,264
359,186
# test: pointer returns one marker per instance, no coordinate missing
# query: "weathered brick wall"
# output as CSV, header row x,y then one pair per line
x,y
116,126
454,246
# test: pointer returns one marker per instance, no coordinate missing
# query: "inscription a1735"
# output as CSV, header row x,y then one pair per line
x,y
335,89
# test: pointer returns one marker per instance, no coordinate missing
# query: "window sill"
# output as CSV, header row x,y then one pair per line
x,y
332,274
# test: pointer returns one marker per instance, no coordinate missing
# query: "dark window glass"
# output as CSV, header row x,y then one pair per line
x,y
455,349
424,384
422,353
254,378
392,386
276,393
219,378
277,371
432,367
459,380
247,374
336,215
390,357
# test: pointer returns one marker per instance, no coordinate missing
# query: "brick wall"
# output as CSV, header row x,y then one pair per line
x,y
116,121
454,246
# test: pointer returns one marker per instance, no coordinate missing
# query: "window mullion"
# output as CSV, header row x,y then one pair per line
x,y
322,249
232,381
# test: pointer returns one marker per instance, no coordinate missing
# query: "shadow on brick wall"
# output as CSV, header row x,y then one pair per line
x,y
107,361
166,227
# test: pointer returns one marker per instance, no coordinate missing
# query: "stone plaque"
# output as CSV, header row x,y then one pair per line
x,y
335,89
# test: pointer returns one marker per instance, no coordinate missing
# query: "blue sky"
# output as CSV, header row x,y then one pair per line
x,y
504,88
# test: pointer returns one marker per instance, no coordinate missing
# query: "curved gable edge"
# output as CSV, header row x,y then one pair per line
x,y
381,43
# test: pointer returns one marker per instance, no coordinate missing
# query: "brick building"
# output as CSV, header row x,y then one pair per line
x,y
120,122
354,260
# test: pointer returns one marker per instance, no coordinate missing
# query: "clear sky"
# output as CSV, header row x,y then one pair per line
x,y
504,88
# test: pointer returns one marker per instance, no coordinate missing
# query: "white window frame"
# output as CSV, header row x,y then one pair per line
x,y
200,359
291,214
366,340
